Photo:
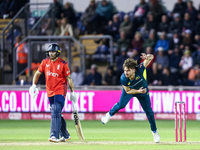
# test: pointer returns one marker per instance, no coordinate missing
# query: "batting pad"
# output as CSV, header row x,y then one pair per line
x,y
55,119
63,130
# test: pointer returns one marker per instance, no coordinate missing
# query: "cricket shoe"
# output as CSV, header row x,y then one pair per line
x,y
62,139
156,137
53,139
106,118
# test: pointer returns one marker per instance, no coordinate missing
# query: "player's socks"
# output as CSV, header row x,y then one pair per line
x,y
106,118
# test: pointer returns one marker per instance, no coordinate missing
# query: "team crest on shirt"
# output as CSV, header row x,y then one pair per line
x,y
58,67
129,83
137,78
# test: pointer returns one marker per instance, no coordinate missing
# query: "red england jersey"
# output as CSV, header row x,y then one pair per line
x,y
55,74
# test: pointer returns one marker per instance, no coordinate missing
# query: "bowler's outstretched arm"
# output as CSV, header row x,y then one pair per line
x,y
147,59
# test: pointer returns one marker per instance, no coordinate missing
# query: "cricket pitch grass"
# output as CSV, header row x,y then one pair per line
x,y
122,135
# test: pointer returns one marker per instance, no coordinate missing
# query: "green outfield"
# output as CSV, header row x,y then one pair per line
x,y
34,134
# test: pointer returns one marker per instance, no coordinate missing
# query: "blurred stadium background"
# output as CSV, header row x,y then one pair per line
x,y
36,23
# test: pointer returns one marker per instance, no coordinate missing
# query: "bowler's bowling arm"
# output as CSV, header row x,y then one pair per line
x,y
149,58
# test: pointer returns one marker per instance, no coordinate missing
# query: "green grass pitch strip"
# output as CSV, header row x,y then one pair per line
x,y
122,135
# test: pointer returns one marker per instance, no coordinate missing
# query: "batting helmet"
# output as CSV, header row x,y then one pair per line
x,y
53,47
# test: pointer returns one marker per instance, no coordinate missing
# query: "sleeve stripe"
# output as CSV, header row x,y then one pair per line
x,y
145,74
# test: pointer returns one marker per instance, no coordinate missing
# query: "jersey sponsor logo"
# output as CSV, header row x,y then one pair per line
x,y
52,74
137,78
129,83
58,67
68,72
47,65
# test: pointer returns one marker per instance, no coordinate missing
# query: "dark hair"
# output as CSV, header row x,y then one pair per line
x,y
110,68
19,37
130,63
167,67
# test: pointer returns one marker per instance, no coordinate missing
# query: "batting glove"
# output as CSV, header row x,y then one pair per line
x,y
73,97
33,91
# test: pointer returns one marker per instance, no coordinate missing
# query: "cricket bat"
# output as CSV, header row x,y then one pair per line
x,y
77,124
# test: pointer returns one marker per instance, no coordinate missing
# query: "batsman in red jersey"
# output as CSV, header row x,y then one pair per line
x,y
57,74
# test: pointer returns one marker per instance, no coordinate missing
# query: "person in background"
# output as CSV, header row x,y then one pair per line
x,y
137,42
8,8
197,26
179,7
22,55
64,28
150,42
162,42
174,42
119,64
104,12
192,11
185,64
69,13
140,13
154,76
196,44
77,76
57,14
188,23
126,25
176,24
174,59
161,58
94,77
88,14
163,25
122,44
13,8
187,40
149,25
156,9
197,57
110,78
194,73
167,78
136,47
113,27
